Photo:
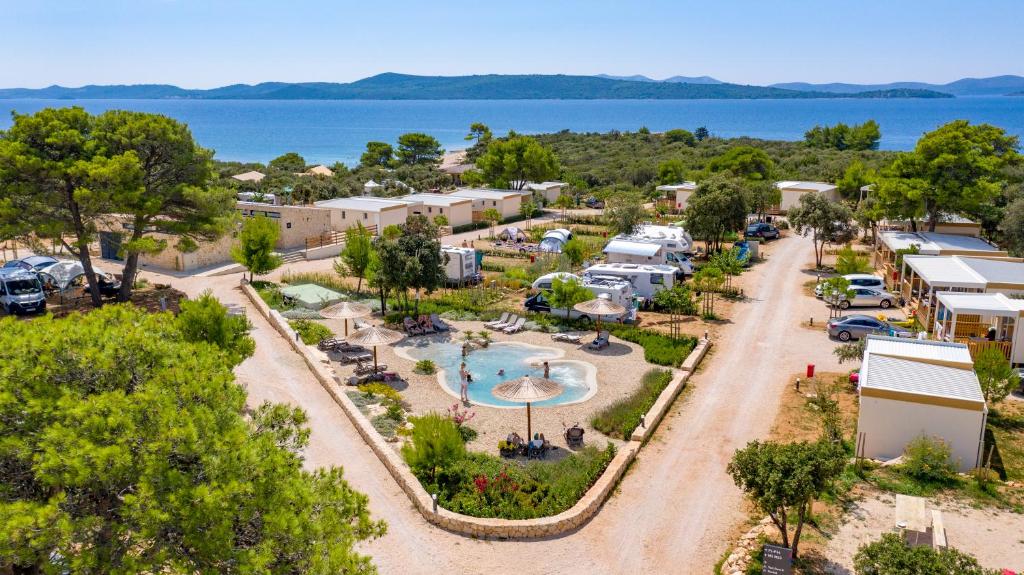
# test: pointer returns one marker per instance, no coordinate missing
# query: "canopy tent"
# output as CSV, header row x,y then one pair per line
x,y
63,274
512,234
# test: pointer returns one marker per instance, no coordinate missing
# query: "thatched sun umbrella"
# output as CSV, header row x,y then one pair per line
x,y
527,390
374,336
599,306
346,310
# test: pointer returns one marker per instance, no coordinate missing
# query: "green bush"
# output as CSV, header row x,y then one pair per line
x,y
928,459
382,390
659,349
468,433
310,332
483,485
425,366
436,448
891,554
622,417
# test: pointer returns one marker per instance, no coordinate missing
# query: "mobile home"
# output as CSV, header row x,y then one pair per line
x,y
647,280
627,250
616,290
462,268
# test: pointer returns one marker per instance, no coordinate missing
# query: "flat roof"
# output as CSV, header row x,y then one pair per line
x,y
920,371
597,268
959,271
982,303
632,248
436,199
798,185
685,186
485,194
932,244
362,203
544,185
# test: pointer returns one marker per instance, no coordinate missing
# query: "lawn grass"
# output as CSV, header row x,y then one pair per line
x,y
622,417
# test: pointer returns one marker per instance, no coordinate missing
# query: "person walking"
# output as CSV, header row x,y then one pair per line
x,y
463,383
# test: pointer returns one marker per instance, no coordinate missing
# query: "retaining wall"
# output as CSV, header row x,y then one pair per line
x,y
566,521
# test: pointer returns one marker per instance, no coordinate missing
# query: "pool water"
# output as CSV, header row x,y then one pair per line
x,y
515,358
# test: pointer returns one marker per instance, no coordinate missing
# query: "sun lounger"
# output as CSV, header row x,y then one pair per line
x,y
574,436
567,338
601,342
365,368
329,344
516,327
354,356
502,320
410,326
439,324
512,319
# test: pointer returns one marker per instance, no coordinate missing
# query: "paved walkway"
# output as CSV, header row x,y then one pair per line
x,y
675,509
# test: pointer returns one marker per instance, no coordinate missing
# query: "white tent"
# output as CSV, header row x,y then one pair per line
x,y
63,274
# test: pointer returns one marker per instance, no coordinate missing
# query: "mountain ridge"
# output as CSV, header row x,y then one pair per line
x,y
991,86
394,86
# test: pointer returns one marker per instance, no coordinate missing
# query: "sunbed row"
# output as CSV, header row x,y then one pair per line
x,y
508,323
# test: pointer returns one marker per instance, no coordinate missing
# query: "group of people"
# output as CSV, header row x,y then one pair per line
x,y
466,378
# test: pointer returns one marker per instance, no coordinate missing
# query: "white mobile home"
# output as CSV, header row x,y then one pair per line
x,y
549,191
647,280
371,212
628,251
793,191
912,388
507,202
461,268
615,289
922,277
678,194
459,211
982,321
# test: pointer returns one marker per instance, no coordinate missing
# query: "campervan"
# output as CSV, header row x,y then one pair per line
x,y
21,292
647,280
462,268
616,290
628,250
676,247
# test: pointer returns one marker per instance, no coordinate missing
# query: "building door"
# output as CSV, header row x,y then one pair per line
x,y
110,245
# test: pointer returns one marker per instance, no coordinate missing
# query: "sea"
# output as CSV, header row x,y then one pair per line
x,y
328,131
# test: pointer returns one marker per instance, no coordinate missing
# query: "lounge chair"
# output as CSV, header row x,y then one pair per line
x,y
367,368
355,356
410,326
500,326
502,319
574,436
330,344
516,327
439,324
567,338
601,342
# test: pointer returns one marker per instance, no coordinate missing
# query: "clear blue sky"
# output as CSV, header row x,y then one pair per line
x,y
206,43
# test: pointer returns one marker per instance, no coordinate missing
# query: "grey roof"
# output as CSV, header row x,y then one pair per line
x,y
997,271
963,271
814,186
920,367
931,243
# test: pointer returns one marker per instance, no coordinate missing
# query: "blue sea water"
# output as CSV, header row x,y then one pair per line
x,y
483,365
337,130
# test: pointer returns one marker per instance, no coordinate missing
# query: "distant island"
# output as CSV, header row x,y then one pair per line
x,y
391,86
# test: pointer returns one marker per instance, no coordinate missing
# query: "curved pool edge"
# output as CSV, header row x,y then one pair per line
x,y
589,369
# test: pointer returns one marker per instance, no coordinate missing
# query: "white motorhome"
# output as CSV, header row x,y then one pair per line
x,y
617,290
630,250
461,268
673,237
647,280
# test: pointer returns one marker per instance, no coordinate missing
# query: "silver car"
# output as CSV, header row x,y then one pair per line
x,y
858,326
856,281
868,297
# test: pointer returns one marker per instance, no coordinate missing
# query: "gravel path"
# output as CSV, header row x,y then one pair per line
x,y
675,510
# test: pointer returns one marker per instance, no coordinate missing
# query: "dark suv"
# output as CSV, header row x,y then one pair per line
x,y
762,230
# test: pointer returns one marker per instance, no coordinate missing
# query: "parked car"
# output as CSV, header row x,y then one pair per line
x,y
31,263
762,230
857,326
856,281
594,203
868,297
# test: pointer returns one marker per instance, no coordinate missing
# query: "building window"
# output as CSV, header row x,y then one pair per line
x,y
494,203
288,225
366,216
343,214
440,210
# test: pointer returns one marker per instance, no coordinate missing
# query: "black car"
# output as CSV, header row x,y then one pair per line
x,y
761,230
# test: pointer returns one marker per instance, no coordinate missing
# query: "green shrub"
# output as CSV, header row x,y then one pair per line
x,y
468,433
928,459
891,554
659,349
310,332
385,425
395,412
436,447
622,417
425,366
382,390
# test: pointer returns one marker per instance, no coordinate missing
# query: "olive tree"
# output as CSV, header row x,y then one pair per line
x,y
825,220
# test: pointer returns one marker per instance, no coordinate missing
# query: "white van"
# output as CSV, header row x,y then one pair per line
x,y
615,289
631,250
647,280
461,268
21,292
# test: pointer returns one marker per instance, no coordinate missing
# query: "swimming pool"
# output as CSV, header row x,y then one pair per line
x,y
578,378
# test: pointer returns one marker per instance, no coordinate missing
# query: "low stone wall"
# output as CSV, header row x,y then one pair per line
x,y
657,411
566,521
324,251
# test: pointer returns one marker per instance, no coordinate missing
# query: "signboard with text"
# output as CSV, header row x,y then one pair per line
x,y
777,560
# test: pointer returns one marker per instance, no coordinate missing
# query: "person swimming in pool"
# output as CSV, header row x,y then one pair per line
x,y
501,371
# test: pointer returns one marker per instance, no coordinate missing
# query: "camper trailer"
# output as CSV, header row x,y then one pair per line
x,y
462,268
617,290
629,250
21,292
647,280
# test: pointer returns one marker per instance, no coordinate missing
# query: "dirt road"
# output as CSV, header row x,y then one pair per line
x,y
675,509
